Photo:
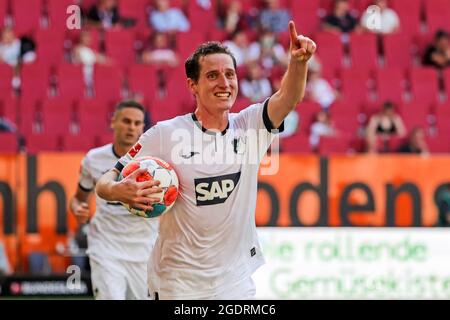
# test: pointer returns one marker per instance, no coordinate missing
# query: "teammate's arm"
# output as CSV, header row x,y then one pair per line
x,y
128,190
79,205
292,89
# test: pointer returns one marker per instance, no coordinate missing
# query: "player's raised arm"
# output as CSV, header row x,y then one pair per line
x,y
128,190
293,85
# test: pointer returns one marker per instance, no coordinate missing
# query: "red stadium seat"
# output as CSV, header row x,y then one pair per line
x,y
334,145
77,143
363,50
70,81
424,84
94,116
390,84
3,11
397,50
240,104
437,15
442,110
9,108
354,84
9,142
415,114
199,18
443,126
50,46
164,109
136,10
143,80
345,123
446,77
57,116
36,143
108,82
187,42
120,46
438,144
297,143
27,15
35,81
330,51
305,14
307,111
6,74
409,13
57,12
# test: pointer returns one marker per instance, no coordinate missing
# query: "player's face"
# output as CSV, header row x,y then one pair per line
x,y
217,85
128,125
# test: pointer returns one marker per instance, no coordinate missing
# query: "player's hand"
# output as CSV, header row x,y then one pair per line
x,y
81,211
302,48
140,195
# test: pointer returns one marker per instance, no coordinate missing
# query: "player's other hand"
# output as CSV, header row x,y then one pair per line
x,y
302,48
140,195
81,211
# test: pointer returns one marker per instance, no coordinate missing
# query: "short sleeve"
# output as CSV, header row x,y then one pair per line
x,y
86,181
149,144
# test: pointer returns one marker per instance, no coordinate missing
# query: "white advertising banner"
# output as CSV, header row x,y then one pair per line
x,y
354,263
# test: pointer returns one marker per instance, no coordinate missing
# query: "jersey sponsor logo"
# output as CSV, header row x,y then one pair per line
x,y
134,150
215,190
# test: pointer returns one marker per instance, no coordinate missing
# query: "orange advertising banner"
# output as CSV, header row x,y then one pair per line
x,y
359,191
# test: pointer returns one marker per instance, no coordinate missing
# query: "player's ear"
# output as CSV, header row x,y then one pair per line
x,y
192,85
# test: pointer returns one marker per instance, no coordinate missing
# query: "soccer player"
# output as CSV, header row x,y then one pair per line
x,y
207,246
119,243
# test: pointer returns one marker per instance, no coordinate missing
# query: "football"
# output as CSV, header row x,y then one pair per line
x,y
157,169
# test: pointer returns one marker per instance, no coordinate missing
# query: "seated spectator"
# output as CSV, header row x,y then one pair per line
x,y
104,14
380,20
88,57
384,125
159,52
322,126
319,89
268,51
255,86
416,142
273,17
166,19
9,47
239,47
438,53
234,18
340,20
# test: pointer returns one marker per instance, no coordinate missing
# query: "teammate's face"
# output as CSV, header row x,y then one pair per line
x,y
217,85
128,125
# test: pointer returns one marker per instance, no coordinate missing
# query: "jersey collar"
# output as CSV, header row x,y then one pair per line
x,y
198,124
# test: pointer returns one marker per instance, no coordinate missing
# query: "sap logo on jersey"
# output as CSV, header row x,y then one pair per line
x,y
215,190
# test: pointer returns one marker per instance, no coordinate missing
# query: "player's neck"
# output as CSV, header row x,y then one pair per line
x,y
210,121
120,150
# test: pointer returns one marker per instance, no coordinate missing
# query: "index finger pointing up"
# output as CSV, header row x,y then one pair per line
x,y
292,32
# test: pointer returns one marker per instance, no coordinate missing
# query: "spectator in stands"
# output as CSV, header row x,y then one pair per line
x,y
255,86
239,47
9,47
322,126
233,17
273,17
382,126
159,52
7,125
268,51
386,22
416,142
166,19
319,89
438,53
84,54
104,14
340,20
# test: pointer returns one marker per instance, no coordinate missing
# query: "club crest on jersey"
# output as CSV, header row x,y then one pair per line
x,y
134,150
215,190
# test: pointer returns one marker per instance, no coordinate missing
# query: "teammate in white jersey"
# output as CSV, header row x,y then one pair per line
x,y
119,243
207,247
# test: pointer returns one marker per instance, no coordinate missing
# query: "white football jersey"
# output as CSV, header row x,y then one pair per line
x,y
207,242
113,231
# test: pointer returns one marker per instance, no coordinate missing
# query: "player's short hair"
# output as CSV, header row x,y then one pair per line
x,y
192,64
129,104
